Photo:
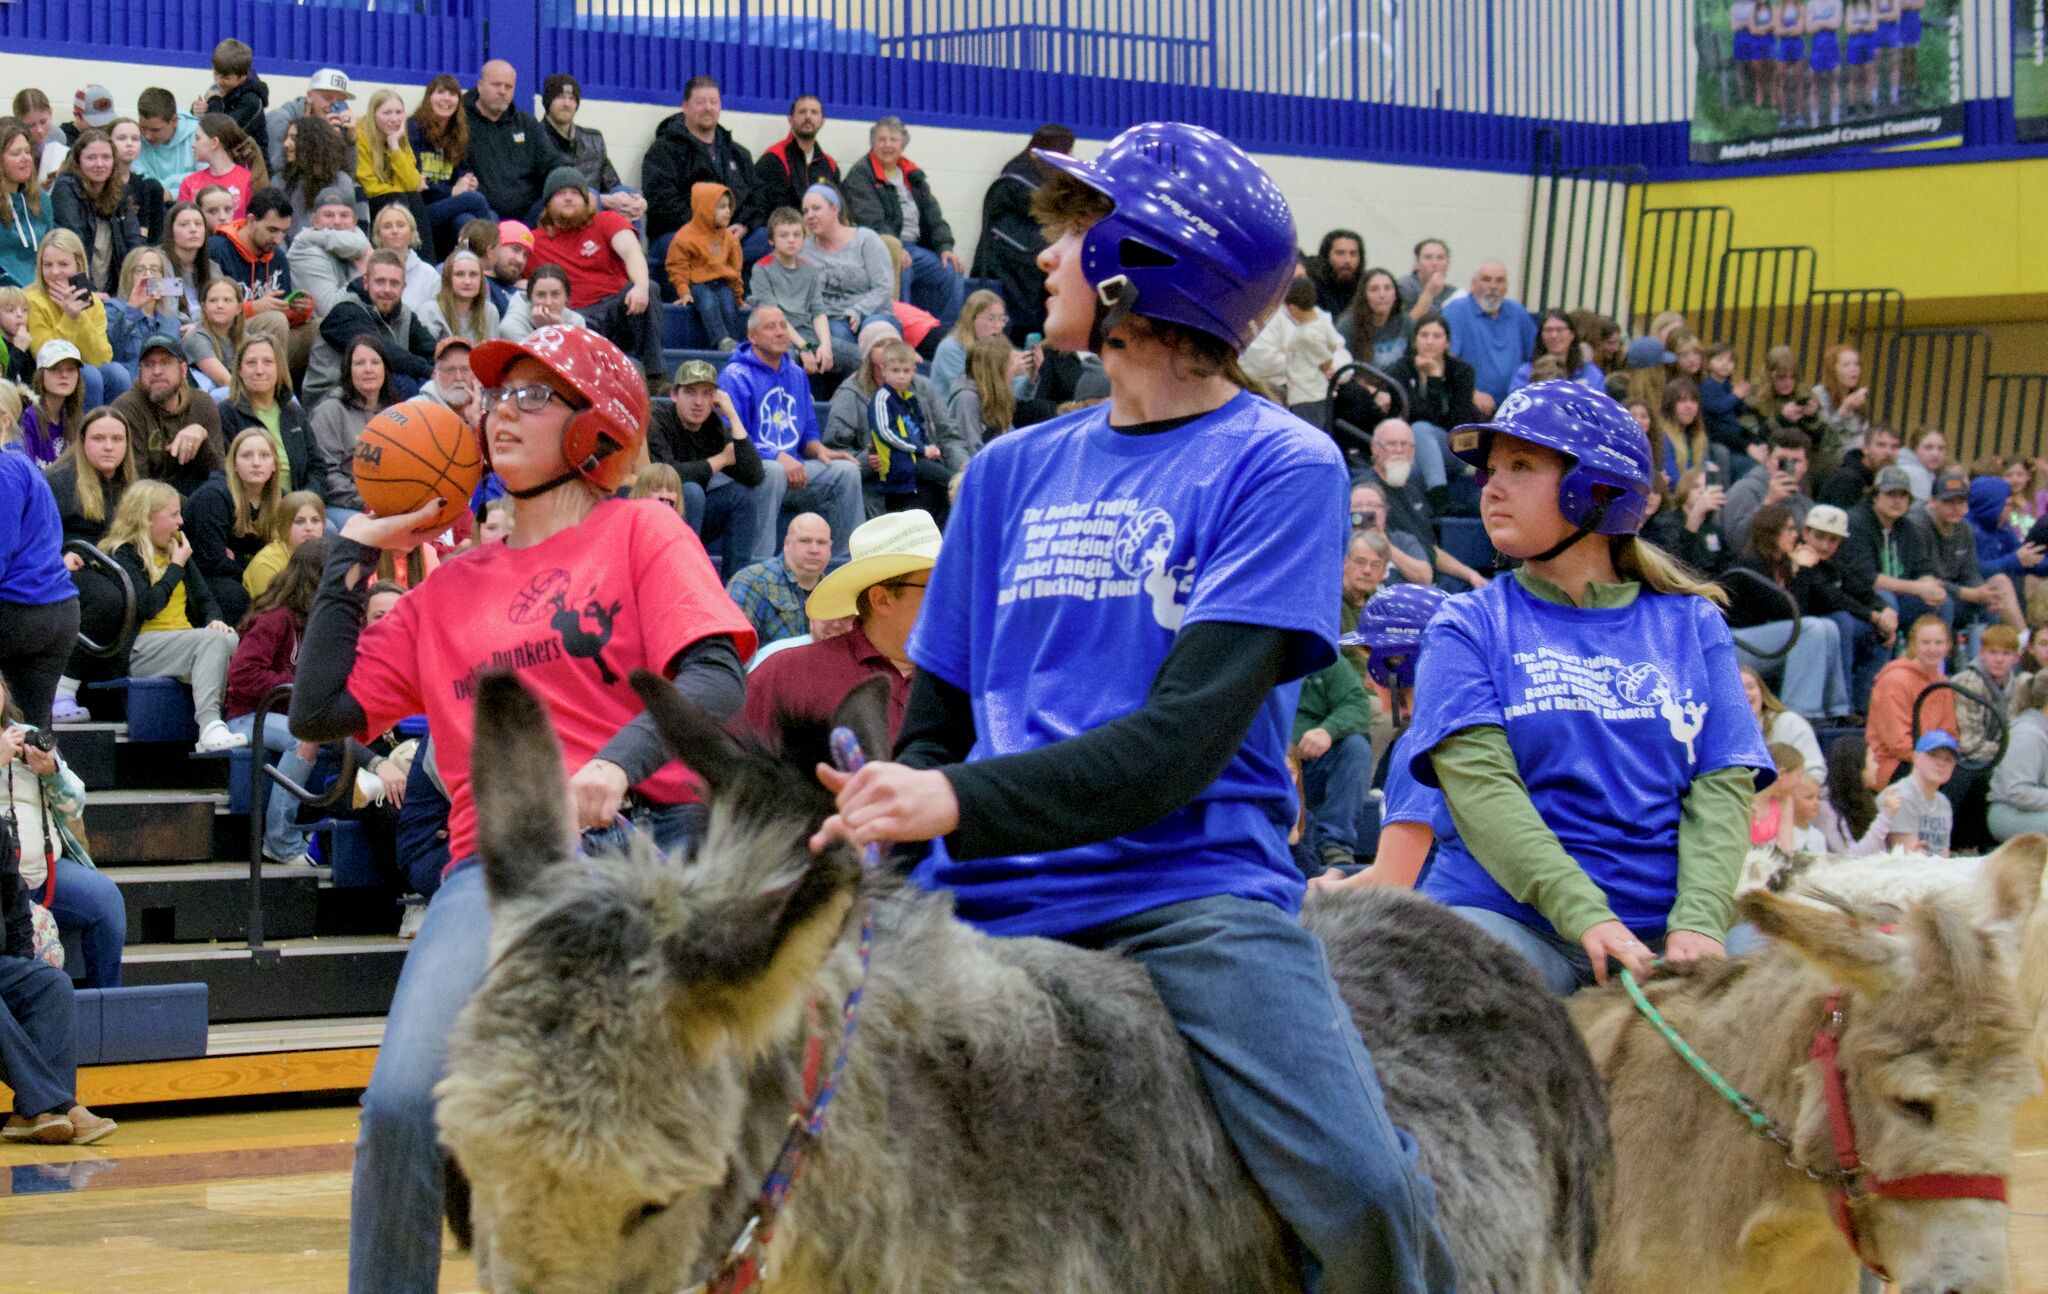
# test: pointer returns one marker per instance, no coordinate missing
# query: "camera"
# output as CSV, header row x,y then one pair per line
x,y
40,739
1787,465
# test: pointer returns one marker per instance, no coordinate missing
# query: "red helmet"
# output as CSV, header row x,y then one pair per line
x,y
601,441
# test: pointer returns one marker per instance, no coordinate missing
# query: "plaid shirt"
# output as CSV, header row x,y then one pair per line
x,y
768,595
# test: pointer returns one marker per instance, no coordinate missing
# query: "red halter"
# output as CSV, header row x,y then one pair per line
x,y
1849,1184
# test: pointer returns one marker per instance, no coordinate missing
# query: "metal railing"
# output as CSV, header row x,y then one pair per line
x,y
1575,253
1934,377
124,637
261,774
1676,263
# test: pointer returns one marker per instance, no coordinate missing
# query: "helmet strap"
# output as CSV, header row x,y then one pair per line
x,y
1115,298
1584,528
535,491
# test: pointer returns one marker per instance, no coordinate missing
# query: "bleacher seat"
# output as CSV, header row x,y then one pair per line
x,y
159,709
681,330
347,851
146,1022
1465,539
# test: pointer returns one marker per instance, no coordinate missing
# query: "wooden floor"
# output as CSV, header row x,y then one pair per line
x,y
253,1200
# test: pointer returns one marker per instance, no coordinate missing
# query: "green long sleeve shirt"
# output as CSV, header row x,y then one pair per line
x,y
1334,700
1499,824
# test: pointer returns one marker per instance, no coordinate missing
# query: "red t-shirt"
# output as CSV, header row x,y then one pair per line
x,y
627,588
586,256
236,181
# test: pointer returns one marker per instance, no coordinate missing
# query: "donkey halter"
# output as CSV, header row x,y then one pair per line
x,y
1848,1184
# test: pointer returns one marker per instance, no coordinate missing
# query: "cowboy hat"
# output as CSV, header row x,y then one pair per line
x,y
889,547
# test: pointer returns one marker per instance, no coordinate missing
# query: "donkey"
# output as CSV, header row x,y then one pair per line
x,y
1932,1040
1015,1116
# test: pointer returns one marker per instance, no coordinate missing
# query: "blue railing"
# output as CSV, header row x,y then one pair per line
x,y
1462,83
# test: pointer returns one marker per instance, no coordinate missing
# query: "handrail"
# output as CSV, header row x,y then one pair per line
x,y
261,774
1775,591
1983,703
129,626
1341,430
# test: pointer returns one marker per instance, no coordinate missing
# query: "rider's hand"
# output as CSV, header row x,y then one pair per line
x,y
1610,938
887,802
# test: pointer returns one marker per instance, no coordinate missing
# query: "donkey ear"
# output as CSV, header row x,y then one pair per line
x,y
1837,943
522,798
2009,892
691,735
865,713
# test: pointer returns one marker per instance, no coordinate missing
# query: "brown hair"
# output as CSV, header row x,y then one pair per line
x,y
449,138
988,370
1999,638
242,150
9,128
114,192
92,498
1832,384
232,58
294,587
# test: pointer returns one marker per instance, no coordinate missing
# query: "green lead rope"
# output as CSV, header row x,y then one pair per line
x,y
1759,1122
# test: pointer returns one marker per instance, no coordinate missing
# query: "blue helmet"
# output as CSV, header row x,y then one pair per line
x,y
1606,488
1198,229
1390,629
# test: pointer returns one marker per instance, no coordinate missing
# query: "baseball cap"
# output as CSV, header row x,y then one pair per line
x,y
95,103
1827,519
1937,740
1953,483
333,197
55,352
512,231
695,371
450,342
158,341
332,79
1893,479
1645,352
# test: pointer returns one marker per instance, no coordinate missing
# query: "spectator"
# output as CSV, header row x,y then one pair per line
x,y
217,205
561,97
329,252
700,435
251,252
326,99
850,418
39,609
773,399
984,402
1994,683
506,151
1775,813
373,304
1782,401
890,194
787,168
771,593
146,195
261,396
1686,526
166,155
1441,395
385,165
607,268
1646,370
2021,509
61,307
54,418
1783,484
185,258
43,796
2001,550
1853,821
211,346
1899,685
238,93
1723,402
233,516
1688,356
267,658
1924,820
1679,442
782,279
15,342
338,420
1930,455
1426,289
1951,547
308,522
1330,725
1298,352
881,590
1768,591
2034,655
227,159
1011,237
173,430
182,635
318,159
2019,785
690,148
146,306
855,275
1780,725
1365,569
1856,475
395,231
1335,270
32,110
1556,337
454,385
89,480
1375,328
544,304
1867,626
982,315
24,207
1885,550
1841,402
439,135
704,265
1393,460
904,430
1404,558
90,198
461,308
506,262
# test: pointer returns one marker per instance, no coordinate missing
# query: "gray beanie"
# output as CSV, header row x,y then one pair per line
x,y
562,177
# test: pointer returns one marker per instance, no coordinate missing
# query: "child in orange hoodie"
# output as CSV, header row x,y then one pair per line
x,y
704,264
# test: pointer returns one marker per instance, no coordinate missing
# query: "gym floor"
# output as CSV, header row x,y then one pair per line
x,y
254,1196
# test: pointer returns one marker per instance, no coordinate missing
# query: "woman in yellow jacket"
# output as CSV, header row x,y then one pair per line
x,y
63,307
386,165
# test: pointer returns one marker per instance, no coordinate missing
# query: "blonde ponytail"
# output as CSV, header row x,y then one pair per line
x,y
1639,560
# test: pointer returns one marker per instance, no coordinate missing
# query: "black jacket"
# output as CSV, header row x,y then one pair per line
x,y
782,174
219,555
677,160
353,315
1752,601
689,452
63,479
1445,401
152,595
1862,555
871,203
1011,239
71,209
1848,484
147,197
247,103
511,159
1667,531
309,467
1834,587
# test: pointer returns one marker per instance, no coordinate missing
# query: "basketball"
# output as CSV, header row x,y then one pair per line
x,y
415,452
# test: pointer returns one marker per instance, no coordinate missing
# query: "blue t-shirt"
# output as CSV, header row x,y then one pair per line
x,y
1073,555
1406,800
1493,344
1610,712
32,570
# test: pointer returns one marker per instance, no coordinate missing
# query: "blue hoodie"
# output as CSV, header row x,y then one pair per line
x,y
1997,545
168,164
774,404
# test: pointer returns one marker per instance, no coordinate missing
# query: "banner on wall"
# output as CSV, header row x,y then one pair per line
x,y
2030,68
1787,80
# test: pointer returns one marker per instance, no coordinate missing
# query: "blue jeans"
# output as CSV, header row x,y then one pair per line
x,y
930,284
1810,679
446,218
725,516
38,1038
1433,456
283,841
1336,783
1863,655
1294,1087
104,383
846,340
1911,608
394,1243
1562,964
719,311
88,903
2007,821
832,490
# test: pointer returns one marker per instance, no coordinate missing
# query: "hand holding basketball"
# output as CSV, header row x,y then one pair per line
x,y
399,534
415,454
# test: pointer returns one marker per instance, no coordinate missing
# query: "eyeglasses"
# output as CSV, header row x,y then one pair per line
x,y
531,398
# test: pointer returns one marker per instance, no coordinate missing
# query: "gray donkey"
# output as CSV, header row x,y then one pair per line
x,y
1016,1116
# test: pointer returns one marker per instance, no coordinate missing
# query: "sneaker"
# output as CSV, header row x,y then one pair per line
x,y
727,345
43,1130
409,924
66,709
88,1127
301,859
216,737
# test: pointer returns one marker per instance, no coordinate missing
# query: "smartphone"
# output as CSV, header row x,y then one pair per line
x,y
338,107
1713,470
1785,465
83,282
166,287
1034,341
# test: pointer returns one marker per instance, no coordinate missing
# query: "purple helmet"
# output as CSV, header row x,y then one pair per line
x,y
1390,629
1606,488
1198,229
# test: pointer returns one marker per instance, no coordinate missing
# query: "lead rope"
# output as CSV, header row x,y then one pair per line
x,y
1760,1123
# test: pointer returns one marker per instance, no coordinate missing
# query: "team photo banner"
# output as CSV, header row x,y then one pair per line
x,y
2030,68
